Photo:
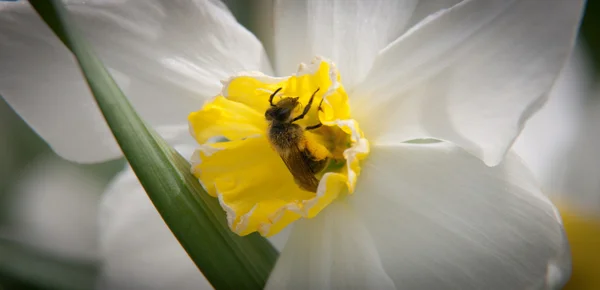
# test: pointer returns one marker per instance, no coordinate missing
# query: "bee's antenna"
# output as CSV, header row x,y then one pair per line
x,y
273,95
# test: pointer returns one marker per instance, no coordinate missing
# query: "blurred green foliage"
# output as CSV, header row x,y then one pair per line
x,y
27,268
590,32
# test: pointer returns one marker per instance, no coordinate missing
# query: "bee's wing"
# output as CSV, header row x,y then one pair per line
x,y
299,165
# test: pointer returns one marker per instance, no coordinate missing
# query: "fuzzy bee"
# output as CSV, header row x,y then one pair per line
x,y
303,157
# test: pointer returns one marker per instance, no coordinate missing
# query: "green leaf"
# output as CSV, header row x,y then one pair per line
x,y
227,260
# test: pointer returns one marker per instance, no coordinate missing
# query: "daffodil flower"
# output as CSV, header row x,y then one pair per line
x,y
437,89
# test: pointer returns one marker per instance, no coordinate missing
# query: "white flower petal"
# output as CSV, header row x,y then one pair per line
x,y
54,209
441,219
550,134
331,251
138,249
166,56
279,240
41,81
176,135
348,32
191,44
560,143
425,8
471,74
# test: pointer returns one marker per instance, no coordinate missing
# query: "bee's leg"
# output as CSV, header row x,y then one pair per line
x,y
314,149
313,127
320,103
317,125
307,108
272,96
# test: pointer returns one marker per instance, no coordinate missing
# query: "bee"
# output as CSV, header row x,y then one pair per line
x,y
303,157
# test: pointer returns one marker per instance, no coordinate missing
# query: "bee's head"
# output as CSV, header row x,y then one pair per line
x,y
282,111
